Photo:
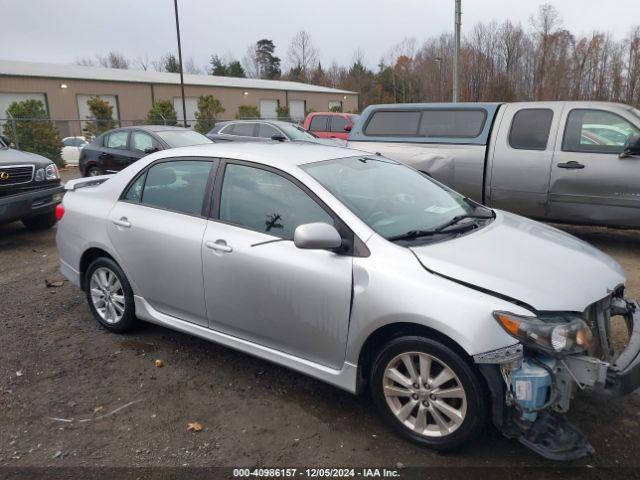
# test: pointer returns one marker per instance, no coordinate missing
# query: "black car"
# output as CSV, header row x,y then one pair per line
x,y
29,188
116,149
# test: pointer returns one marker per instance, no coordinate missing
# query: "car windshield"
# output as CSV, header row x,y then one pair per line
x,y
296,133
183,138
391,198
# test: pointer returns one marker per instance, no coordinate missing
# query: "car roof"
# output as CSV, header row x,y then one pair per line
x,y
275,154
151,128
256,120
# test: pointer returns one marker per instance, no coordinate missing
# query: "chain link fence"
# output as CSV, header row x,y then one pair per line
x,y
55,139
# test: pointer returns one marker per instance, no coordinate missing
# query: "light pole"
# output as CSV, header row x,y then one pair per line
x,y
456,52
438,60
184,108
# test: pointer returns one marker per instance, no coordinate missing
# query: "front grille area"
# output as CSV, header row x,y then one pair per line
x,y
15,174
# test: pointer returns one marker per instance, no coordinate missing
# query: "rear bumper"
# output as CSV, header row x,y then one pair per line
x,y
29,204
623,376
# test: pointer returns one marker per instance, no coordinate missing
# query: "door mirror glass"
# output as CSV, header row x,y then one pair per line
x,y
632,146
279,138
316,236
347,128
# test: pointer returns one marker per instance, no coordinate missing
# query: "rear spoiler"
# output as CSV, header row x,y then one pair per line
x,y
86,182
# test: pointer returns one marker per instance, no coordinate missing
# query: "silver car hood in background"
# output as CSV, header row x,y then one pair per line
x,y
527,261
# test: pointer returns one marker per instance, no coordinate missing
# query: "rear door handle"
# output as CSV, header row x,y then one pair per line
x,y
571,165
123,222
219,245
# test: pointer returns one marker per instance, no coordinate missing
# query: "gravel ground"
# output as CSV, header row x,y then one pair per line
x,y
58,364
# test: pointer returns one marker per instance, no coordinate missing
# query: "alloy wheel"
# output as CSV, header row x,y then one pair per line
x,y
107,295
424,394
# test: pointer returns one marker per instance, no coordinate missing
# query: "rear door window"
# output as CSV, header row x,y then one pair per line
x,y
243,129
179,186
530,129
318,123
117,140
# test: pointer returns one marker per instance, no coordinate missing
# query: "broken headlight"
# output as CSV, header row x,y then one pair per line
x,y
557,334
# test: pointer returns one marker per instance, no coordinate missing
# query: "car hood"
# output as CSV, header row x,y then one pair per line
x,y
10,156
525,260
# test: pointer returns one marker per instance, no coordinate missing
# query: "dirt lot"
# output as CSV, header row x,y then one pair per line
x,y
58,364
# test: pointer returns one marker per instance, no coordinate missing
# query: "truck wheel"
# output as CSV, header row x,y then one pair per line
x,y
428,393
41,222
94,172
110,296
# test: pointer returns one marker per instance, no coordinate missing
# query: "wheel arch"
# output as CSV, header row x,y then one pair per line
x,y
385,333
89,256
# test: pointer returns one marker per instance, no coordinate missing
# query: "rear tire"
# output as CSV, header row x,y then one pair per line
x,y
110,296
428,393
41,222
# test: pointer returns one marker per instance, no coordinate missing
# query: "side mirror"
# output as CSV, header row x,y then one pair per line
x,y
279,138
631,147
347,128
151,150
316,236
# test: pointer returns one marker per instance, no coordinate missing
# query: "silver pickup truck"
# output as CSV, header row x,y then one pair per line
x,y
568,162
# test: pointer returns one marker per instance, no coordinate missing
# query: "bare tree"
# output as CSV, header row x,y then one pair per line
x,y
142,63
302,54
85,62
191,67
113,60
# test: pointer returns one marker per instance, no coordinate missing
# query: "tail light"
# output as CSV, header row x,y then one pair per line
x,y
59,211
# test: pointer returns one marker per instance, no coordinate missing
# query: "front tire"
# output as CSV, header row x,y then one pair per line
x,y
41,222
428,393
94,172
110,296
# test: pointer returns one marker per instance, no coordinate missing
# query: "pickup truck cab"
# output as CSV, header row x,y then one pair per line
x,y
29,188
568,162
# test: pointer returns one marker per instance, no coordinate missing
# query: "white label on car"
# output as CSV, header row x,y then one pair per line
x,y
439,209
523,390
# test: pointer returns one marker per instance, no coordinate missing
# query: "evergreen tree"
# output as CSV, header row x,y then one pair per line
x,y
101,117
162,113
209,108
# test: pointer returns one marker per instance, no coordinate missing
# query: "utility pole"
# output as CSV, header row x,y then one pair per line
x,y
184,107
456,52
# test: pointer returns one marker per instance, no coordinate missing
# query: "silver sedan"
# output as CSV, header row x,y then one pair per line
x,y
363,273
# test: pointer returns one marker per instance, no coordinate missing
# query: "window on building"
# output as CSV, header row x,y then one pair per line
x,y
530,129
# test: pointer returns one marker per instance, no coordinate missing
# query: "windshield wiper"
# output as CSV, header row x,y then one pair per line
x,y
411,234
458,218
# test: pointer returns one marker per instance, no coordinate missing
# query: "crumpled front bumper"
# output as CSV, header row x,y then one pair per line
x,y
623,376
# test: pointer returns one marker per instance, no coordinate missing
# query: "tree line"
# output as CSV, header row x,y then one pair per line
x,y
505,61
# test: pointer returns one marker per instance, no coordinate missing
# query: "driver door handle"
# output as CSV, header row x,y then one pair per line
x,y
123,222
571,165
219,245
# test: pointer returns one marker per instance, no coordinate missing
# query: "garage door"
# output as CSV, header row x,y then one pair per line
x,y
84,112
191,103
269,108
296,109
7,99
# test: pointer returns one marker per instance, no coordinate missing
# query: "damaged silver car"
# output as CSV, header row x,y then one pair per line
x,y
363,273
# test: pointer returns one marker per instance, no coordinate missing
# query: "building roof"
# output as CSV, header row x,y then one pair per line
x,y
80,72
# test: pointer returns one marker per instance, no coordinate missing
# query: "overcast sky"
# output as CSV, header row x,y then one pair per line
x,y
62,31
